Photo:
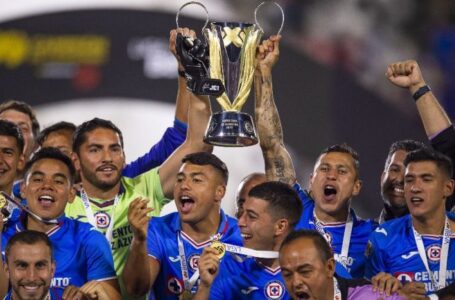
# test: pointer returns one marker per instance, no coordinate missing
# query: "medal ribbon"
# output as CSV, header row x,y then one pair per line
x,y
343,257
336,290
443,258
91,216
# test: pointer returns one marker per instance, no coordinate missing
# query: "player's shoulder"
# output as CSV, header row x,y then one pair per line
x,y
165,224
391,231
140,178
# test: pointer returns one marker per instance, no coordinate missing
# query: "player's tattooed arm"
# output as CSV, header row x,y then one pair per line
x,y
278,162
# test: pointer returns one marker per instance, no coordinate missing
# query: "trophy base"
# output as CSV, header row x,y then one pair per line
x,y
231,129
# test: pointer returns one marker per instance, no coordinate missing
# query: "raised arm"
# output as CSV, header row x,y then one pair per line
x,y
407,74
198,117
174,136
278,162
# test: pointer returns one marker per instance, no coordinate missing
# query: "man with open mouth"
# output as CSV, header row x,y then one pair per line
x,y
419,247
106,195
308,268
82,254
438,128
164,253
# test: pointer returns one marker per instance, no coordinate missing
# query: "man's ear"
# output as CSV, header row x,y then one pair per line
x,y
76,161
330,266
357,187
6,269
220,192
281,227
23,187
448,188
21,163
71,194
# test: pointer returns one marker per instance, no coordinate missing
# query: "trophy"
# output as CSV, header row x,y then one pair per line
x,y
231,48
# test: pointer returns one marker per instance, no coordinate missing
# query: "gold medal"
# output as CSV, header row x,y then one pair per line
x,y
3,201
219,247
186,295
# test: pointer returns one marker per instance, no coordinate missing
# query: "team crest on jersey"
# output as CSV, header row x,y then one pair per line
x,y
433,253
193,260
102,220
404,277
174,286
274,290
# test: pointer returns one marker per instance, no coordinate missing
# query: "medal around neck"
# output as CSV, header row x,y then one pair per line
x,y
4,208
186,295
14,202
219,247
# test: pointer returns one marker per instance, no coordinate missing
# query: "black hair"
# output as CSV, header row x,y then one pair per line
x,y
79,136
205,158
405,145
28,237
443,162
345,148
23,108
283,200
323,248
8,128
53,128
51,153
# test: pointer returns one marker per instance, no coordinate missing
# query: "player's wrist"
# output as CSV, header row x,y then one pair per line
x,y
413,88
138,240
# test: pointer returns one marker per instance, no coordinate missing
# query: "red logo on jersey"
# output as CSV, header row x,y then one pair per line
x,y
193,260
274,290
434,253
174,286
404,277
102,220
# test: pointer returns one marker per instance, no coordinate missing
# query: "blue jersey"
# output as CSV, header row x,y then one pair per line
x,y
81,253
361,231
163,246
243,278
392,249
54,293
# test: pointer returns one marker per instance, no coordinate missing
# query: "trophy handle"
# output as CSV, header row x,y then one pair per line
x,y
256,14
189,3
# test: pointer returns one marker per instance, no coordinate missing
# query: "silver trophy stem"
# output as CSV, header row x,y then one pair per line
x,y
282,15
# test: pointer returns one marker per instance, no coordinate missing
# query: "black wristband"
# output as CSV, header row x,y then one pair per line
x,y
420,92
182,74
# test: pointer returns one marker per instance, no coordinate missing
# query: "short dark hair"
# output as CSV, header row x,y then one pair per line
x,y
324,249
443,162
53,128
8,128
23,108
283,200
205,158
79,136
29,237
405,145
344,148
51,153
